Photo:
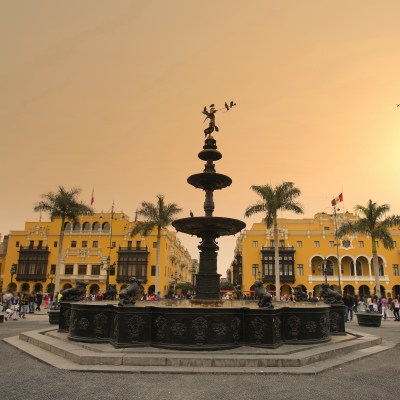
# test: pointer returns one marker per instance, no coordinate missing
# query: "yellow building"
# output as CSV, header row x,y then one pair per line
x,y
93,249
307,247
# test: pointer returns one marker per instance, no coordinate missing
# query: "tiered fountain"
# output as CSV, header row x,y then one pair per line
x,y
201,323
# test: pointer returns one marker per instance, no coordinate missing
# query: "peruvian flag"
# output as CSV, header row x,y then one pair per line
x,y
92,199
337,200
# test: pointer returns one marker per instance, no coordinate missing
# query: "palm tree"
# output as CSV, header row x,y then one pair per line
x,y
62,204
374,223
158,215
280,197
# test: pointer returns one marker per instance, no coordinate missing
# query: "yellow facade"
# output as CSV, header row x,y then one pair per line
x,y
304,245
89,249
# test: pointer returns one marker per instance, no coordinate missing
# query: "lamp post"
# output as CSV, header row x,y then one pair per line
x,y
51,277
108,267
337,249
323,268
13,271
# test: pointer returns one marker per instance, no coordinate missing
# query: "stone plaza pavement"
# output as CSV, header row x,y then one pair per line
x,y
22,376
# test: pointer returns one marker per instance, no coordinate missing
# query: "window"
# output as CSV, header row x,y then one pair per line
x,y
82,269
326,228
77,227
40,245
376,243
299,243
67,226
86,226
138,244
254,243
154,245
153,270
96,226
395,269
331,243
106,227
394,243
84,243
69,269
271,243
255,269
73,243
316,243
55,244
129,243
16,244
95,269
31,243
113,244
95,244
300,270
281,243
53,269
360,243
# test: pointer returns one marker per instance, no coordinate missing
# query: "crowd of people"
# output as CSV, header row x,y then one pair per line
x,y
18,304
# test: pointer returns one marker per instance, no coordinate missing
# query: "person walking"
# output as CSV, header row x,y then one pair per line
x,y
384,307
23,304
39,299
395,304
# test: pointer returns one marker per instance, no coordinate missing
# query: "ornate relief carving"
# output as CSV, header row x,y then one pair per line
x,y
258,327
199,327
178,329
83,323
219,328
100,325
73,320
324,323
135,325
161,325
67,316
277,323
311,326
115,329
294,323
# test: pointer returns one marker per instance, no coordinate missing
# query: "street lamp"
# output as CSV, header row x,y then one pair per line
x,y
323,267
13,271
51,277
106,266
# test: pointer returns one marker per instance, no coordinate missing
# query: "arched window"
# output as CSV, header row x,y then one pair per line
x,y
96,226
77,226
106,226
67,226
86,226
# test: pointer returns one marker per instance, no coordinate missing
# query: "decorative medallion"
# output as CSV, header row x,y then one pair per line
x,y
83,323
161,325
199,327
235,326
258,327
294,325
135,326
100,325
178,329
311,326
219,328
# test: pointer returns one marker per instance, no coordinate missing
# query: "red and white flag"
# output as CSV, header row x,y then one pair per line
x,y
337,200
92,199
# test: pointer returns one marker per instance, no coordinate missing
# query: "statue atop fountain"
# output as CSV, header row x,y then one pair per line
x,y
208,227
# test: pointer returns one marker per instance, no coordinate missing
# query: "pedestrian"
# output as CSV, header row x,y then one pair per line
x,y
23,304
31,302
384,307
39,299
395,305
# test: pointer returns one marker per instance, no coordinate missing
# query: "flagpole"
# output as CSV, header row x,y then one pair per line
x,y
337,249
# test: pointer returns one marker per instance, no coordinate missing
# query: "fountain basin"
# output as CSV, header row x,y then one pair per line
x,y
216,226
209,181
197,328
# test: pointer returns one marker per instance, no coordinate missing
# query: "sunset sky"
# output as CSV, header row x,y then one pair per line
x,y
109,94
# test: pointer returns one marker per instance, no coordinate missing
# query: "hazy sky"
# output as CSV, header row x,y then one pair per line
x,y
109,94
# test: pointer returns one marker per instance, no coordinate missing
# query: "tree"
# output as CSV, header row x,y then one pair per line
x,y
62,204
273,199
158,215
373,222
